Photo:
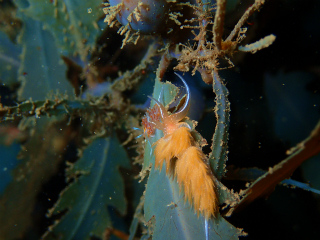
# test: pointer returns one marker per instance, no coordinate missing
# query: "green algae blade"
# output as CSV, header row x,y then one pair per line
x,y
175,219
73,23
9,60
28,168
40,71
219,155
98,186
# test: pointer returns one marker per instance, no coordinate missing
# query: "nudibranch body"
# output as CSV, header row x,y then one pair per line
x,y
183,157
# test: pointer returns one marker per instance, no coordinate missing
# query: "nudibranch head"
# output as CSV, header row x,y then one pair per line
x,y
152,115
166,122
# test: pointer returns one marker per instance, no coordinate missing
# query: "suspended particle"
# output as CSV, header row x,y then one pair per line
x,y
64,7
95,25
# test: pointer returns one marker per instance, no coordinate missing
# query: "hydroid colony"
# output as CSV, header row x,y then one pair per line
x,y
183,157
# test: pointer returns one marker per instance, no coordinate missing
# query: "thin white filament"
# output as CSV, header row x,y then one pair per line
x,y
206,228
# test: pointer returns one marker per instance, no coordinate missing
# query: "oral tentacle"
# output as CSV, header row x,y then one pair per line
x,y
184,110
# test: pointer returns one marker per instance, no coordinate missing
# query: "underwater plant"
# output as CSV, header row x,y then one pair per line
x,y
116,122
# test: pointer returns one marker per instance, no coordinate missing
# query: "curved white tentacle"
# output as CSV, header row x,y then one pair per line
x,y
183,112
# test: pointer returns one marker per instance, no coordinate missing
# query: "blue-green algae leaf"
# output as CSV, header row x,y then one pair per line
x,y
30,166
136,219
176,219
99,185
138,202
73,23
41,69
134,227
9,60
219,155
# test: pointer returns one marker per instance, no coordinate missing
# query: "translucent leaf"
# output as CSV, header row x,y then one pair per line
x,y
99,185
175,219
136,219
219,154
30,168
41,69
72,22
9,60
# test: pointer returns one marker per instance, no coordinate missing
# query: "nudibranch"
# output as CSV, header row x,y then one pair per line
x,y
183,157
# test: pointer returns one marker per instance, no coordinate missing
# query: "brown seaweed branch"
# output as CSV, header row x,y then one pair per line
x,y
255,7
206,55
265,184
218,23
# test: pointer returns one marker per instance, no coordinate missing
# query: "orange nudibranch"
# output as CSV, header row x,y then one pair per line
x,y
184,159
